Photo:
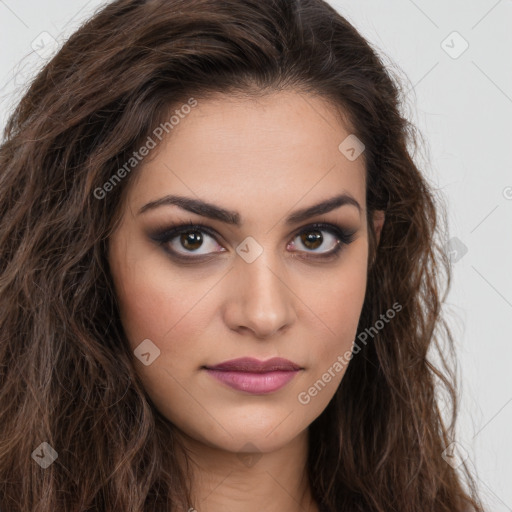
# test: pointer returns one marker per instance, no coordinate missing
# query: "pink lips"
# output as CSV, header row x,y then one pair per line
x,y
254,376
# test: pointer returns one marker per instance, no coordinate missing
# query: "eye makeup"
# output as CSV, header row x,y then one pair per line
x,y
166,235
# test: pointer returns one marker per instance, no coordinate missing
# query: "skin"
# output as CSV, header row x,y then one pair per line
x,y
264,159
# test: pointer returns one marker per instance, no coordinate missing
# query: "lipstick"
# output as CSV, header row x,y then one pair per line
x,y
254,376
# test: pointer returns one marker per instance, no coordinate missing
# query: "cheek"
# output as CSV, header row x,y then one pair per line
x,y
338,303
167,310
343,308
155,303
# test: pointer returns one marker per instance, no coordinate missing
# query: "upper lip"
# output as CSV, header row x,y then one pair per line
x,y
249,364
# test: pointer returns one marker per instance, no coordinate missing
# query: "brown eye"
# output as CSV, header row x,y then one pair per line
x,y
315,238
188,241
312,239
191,240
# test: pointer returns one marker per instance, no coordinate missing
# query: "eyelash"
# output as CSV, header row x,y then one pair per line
x,y
172,231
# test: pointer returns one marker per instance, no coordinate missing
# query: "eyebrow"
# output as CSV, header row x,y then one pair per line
x,y
212,211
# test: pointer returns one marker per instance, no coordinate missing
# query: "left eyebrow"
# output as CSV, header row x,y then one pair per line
x,y
215,212
323,207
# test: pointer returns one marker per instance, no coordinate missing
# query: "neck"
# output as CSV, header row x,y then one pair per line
x,y
276,481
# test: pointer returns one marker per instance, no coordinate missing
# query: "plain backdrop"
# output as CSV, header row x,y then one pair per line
x,y
455,61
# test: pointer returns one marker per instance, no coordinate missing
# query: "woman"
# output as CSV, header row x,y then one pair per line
x,y
220,273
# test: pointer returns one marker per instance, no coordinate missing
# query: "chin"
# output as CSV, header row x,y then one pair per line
x,y
247,436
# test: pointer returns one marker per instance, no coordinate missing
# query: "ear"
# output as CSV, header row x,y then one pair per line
x,y
378,221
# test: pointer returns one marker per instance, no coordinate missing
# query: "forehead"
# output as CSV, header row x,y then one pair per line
x,y
277,148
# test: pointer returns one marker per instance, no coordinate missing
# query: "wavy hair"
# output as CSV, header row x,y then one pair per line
x,y
66,371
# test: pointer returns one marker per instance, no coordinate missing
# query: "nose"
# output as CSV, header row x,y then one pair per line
x,y
260,299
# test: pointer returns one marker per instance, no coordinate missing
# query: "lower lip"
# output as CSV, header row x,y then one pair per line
x,y
256,383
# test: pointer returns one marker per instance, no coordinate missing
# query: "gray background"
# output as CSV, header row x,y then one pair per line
x,y
462,103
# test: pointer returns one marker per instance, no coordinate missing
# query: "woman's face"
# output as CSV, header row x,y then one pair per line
x,y
258,282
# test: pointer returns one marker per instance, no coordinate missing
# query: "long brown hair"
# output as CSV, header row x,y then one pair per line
x,y
66,372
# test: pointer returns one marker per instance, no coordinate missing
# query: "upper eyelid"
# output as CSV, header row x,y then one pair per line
x,y
190,226
322,224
